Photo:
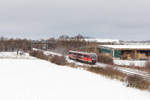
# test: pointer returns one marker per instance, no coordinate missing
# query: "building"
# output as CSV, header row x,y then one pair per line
x,y
126,52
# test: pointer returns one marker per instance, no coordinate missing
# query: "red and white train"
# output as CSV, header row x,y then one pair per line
x,y
83,56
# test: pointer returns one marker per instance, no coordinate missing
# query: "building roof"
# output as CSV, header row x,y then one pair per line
x,y
102,40
127,47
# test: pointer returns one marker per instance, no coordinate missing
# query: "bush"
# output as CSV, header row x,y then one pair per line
x,y
105,59
38,54
147,64
59,60
137,82
109,72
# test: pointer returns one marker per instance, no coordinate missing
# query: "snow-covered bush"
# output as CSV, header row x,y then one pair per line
x,y
109,72
147,64
137,82
38,54
60,60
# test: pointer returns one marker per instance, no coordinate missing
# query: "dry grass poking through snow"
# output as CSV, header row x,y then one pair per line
x,y
146,68
137,82
131,81
59,60
38,54
134,81
109,72
147,65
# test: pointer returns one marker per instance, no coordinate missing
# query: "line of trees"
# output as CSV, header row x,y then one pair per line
x,y
65,43
15,44
61,44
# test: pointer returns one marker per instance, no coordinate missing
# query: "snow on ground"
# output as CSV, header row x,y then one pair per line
x,y
13,55
33,79
130,63
128,71
48,52
51,53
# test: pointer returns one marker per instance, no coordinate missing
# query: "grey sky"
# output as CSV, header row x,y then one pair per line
x,y
122,19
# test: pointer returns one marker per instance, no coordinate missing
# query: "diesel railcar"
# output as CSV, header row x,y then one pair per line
x,y
90,58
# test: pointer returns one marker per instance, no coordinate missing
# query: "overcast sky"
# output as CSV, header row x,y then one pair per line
x,y
117,19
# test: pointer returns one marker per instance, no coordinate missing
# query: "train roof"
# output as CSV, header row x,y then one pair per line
x,y
81,52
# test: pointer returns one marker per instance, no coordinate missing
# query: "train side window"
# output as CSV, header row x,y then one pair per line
x,y
70,52
80,55
86,56
74,54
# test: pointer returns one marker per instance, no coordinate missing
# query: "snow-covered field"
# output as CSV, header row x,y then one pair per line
x,y
13,55
34,79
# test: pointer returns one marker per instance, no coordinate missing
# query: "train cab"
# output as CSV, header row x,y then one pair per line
x,y
83,56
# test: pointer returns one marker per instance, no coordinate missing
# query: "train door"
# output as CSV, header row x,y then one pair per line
x,y
74,56
86,58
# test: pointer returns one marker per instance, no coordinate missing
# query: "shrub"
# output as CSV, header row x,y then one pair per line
x,y
105,59
137,82
109,72
60,60
73,65
38,54
147,64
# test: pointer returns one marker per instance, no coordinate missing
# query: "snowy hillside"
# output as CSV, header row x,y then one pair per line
x,y
33,79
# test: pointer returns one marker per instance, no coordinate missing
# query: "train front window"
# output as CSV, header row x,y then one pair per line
x,y
80,55
86,56
93,56
74,54
70,52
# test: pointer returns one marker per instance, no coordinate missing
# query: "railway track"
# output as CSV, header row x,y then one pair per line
x,y
128,71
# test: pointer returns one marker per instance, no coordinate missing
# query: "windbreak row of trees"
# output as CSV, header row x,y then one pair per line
x,y
61,44
15,44
65,43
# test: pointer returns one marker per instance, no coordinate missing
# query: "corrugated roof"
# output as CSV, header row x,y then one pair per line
x,y
102,40
127,46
